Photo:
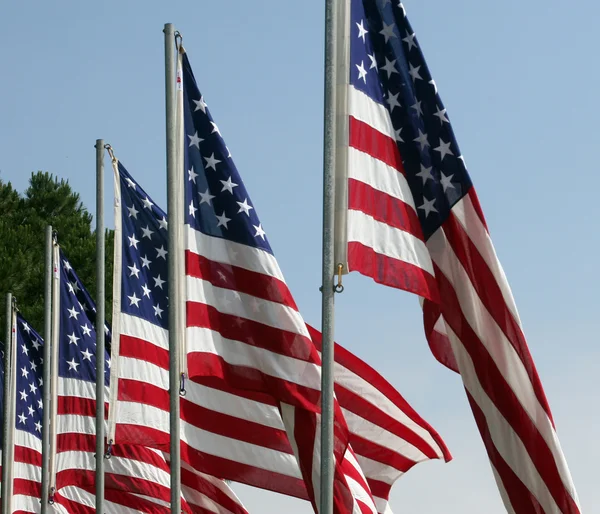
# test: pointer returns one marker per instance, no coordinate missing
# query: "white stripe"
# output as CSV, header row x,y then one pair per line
x,y
76,388
134,326
379,175
227,252
506,441
498,346
364,109
388,241
228,301
203,340
377,470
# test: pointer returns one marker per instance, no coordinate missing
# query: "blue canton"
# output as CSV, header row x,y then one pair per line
x,y
386,63
77,337
217,203
144,267
30,384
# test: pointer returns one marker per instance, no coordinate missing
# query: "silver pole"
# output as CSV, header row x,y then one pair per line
x,y
46,370
8,398
100,299
175,212
327,307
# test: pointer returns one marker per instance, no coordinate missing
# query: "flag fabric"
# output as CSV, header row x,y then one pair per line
x,y
136,478
227,432
411,220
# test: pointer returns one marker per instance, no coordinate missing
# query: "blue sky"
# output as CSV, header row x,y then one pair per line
x,y
519,81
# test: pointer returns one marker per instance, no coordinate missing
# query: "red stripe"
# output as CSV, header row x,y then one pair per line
x,y
477,206
500,393
383,207
379,488
378,453
253,333
238,279
489,292
391,272
366,139
28,456
439,344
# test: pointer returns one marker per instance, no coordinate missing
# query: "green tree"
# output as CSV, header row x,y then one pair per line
x,y
23,221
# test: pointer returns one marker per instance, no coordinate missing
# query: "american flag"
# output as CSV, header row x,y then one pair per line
x,y
135,477
240,435
413,222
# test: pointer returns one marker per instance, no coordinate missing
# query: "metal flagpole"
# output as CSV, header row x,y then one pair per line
x,y
9,400
175,245
328,291
46,370
100,299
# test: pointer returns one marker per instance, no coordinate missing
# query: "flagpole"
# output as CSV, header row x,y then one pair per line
x,y
328,291
175,245
8,407
100,336
46,369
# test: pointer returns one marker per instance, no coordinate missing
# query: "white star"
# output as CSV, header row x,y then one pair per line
x,y
147,203
73,313
388,31
390,67
410,41
432,82
130,183
158,282
24,350
401,6
161,252
87,331
192,175
73,365
444,149
145,262
38,426
133,211
392,100
228,185
133,241
73,338
398,136
414,72
362,31
108,364
195,140
215,128
446,182
362,73
87,355
205,197
36,344
422,140
70,287
75,286
26,326
417,107
223,220
33,366
40,380
441,114
157,311
428,206
24,372
40,404
22,418
192,210
200,105
23,394
222,276
373,61
425,173
259,231
32,388
146,290
134,300
134,271
146,232
245,207
211,162
163,223
30,410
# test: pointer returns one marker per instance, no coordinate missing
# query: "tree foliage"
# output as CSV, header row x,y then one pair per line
x,y
23,220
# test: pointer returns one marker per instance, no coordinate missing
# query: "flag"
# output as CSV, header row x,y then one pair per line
x,y
411,220
135,477
227,432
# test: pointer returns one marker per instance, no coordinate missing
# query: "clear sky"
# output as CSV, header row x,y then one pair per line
x,y
519,80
